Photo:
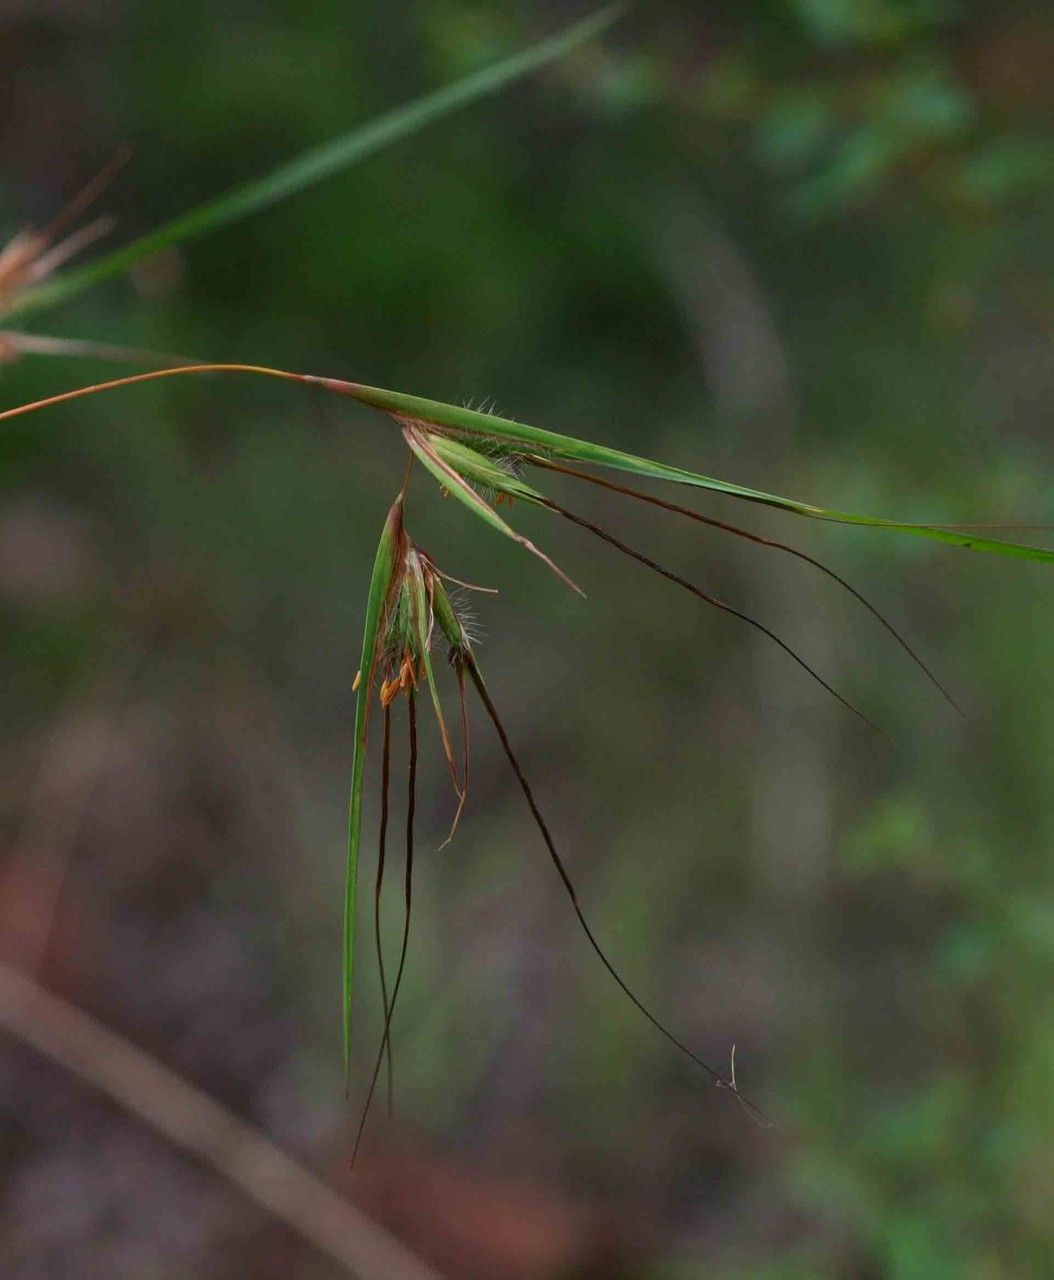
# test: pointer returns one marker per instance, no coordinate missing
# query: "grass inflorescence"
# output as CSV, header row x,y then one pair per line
x,y
412,619
418,623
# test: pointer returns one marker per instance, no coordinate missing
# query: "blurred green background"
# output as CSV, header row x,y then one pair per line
x,y
804,245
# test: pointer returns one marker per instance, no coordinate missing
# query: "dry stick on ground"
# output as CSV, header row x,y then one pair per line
x,y
199,1125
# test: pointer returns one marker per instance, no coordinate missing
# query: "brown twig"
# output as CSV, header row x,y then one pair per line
x,y
198,1124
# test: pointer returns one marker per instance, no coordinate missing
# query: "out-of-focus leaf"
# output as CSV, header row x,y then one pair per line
x,y
1006,168
319,163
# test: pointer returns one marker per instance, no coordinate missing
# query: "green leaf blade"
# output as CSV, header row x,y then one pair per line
x,y
321,162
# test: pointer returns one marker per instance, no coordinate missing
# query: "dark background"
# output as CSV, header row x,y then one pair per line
x,y
802,245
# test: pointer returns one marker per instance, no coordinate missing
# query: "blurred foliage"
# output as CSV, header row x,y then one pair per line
x,y
803,245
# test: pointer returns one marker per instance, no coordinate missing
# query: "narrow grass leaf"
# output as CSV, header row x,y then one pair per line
x,y
319,163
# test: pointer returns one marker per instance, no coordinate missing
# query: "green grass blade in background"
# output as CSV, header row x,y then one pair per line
x,y
458,418
321,162
385,568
